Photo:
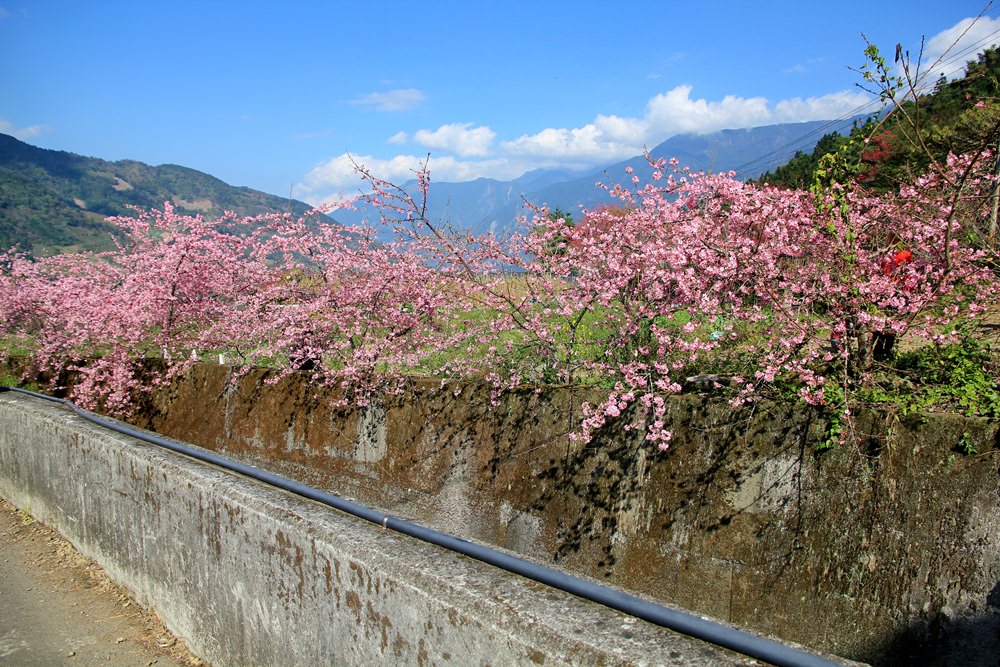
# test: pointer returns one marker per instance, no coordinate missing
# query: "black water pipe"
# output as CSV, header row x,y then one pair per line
x,y
674,619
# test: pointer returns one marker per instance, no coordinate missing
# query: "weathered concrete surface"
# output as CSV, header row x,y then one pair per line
x,y
885,550
250,575
57,607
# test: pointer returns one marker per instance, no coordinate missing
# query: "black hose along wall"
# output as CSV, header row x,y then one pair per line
x,y
878,550
678,620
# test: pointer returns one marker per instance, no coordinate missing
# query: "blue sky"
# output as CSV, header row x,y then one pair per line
x,y
275,96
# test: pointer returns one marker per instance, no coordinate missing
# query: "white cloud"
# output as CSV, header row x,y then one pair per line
x,y
948,51
459,138
578,146
675,112
609,138
835,105
402,99
24,133
338,179
606,139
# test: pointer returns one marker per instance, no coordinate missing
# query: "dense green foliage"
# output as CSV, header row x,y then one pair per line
x,y
54,201
896,147
961,377
36,218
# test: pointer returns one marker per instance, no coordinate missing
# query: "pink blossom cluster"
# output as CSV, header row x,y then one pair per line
x,y
683,266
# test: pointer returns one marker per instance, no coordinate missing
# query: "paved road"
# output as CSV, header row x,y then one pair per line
x,y
58,608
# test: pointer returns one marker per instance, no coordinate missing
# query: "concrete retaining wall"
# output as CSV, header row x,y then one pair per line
x,y
249,575
885,549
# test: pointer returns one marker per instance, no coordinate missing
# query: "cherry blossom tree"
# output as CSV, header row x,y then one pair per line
x,y
776,288
100,315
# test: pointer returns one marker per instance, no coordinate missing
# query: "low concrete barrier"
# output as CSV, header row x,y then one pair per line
x,y
885,549
248,574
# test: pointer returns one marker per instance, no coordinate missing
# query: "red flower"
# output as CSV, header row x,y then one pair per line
x,y
899,259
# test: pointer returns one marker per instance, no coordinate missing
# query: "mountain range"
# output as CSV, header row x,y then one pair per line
x,y
486,204
55,201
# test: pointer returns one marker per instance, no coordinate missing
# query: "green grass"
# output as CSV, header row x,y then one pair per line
x,y
964,377
9,380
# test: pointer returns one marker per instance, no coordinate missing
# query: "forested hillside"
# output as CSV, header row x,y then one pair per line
x,y
958,116
54,201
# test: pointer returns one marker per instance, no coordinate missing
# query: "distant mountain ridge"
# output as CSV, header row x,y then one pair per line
x,y
54,201
489,205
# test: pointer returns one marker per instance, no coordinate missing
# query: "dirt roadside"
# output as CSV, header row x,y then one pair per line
x,y
58,608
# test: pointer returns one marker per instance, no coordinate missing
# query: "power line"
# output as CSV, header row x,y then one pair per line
x,y
974,48
796,144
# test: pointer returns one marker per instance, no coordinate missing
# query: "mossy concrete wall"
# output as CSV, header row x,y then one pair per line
x,y
885,549
250,575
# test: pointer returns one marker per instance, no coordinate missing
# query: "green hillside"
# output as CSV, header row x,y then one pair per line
x,y
957,116
54,201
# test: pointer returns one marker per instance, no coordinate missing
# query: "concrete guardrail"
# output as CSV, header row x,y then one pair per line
x,y
249,574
